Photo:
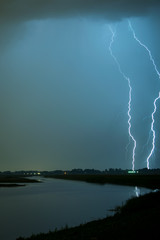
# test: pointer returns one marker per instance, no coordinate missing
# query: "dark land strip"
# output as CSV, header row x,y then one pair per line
x,y
12,181
146,181
11,185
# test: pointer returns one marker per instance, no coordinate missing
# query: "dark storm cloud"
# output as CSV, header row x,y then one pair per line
x,y
13,13
18,10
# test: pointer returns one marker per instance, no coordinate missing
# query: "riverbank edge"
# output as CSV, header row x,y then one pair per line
x,y
5,185
12,181
146,181
137,217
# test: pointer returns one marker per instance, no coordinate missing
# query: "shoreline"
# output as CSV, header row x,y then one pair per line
x,y
12,181
5,185
137,217
146,181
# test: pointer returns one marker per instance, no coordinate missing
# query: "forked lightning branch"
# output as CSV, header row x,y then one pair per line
x,y
113,34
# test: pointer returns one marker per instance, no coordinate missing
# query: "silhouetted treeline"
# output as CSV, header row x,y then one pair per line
x,y
79,171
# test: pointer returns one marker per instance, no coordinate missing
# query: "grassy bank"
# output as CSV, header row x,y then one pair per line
x,y
138,218
147,181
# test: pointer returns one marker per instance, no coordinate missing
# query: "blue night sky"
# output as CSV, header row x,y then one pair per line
x,y
63,101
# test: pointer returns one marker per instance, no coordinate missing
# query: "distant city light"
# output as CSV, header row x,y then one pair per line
x,y
132,172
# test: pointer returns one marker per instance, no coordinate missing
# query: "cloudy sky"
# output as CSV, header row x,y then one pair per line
x,y
63,102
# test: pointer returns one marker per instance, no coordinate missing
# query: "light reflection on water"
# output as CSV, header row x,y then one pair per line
x,y
40,207
137,191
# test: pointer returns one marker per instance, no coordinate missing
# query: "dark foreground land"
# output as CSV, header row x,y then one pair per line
x,y
139,218
12,181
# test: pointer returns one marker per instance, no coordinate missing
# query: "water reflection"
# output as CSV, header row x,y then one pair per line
x,y
137,191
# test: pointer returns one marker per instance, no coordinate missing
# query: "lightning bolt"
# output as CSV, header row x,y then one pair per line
x,y
158,74
144,46
130,95
153,131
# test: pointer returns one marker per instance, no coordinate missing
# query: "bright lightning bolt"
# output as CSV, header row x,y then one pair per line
x,y
143,45
129,123
130,95
155,108
153,131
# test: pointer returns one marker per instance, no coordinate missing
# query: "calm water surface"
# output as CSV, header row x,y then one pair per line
x,y
40,207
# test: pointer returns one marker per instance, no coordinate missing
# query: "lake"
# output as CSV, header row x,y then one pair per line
x,y
40,207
